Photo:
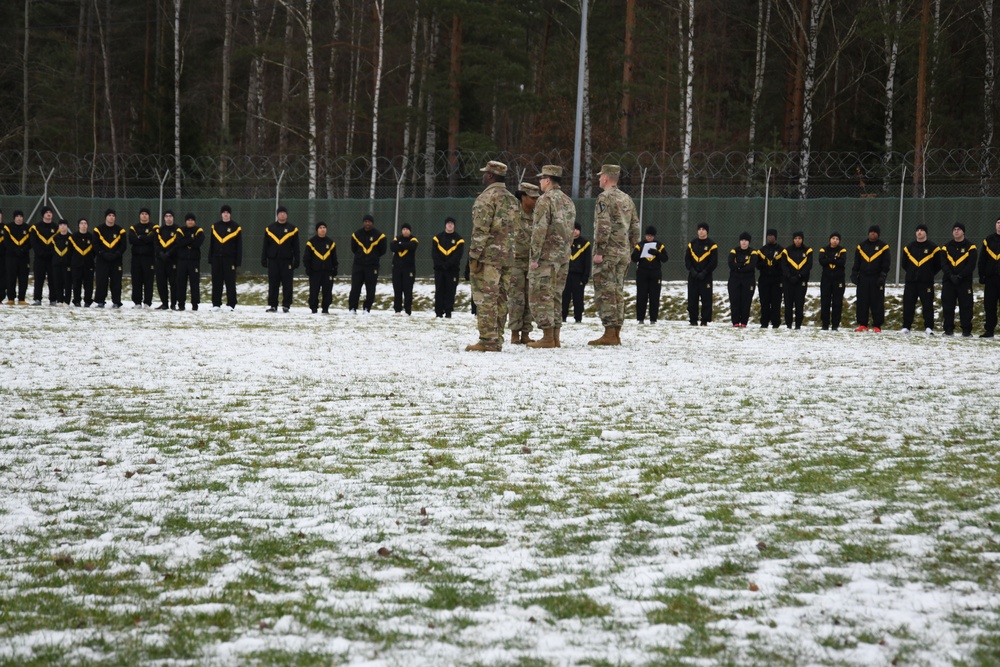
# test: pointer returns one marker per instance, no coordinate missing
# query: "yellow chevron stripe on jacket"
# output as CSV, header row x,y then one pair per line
x,y
80,250
283,238
796,265
171,241
875,255
770,262
906,251
440,249
111,245
23,240
46,241
956,262
367,250
316,252
584,247
995,256
703,257
228,237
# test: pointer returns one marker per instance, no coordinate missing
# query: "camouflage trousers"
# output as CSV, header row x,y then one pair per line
x,y
609,290
489,290
545,287
517,300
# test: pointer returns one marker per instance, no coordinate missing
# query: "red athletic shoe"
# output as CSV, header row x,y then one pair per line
x,y
861,329
876,330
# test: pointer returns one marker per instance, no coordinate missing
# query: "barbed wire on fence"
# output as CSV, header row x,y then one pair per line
x,y
946,172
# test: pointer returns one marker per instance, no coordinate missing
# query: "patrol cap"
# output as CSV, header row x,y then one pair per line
x,y
609,170
922,228
143,210
876,229
225,209
494,167
109,211
703,225
190,216
837,234
651,230
552,170
745,236
529,189
959,225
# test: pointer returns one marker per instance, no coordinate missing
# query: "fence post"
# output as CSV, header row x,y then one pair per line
x,y
899,235
163,181
277,190
642,196
45,195
767,197
399,194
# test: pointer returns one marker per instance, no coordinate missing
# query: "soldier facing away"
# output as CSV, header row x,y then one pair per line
x,y
551,238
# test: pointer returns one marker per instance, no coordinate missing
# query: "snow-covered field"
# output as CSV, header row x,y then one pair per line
x,y
196,488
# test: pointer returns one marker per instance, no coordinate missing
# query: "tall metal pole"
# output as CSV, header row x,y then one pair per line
x,y
642,194
767,197
277,191
578,137
399,195
163,181
899,235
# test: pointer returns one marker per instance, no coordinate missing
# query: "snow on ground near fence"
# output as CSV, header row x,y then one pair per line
x,y
360,489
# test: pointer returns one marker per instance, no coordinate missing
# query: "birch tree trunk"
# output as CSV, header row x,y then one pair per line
x,y
410,81
254,83
330,75
107,89
227,57
25,111
178,66
892,18
760,64
816,13
430,140
307,26
989,81
688,104
380,17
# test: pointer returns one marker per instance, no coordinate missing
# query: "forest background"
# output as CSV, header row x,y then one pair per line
x,y
353,97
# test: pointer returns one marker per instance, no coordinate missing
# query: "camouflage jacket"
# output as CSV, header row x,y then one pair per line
x,y
552,233
522,238
493,217
616,224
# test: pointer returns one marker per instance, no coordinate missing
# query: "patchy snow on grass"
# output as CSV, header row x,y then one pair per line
x,y
222,488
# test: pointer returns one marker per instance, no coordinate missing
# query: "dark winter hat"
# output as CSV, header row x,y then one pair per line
x,y
745,236
406,225
63,222
577,225
190,216
798,235
876,229
281,209
837,234
449,219
703,225
169,212
922,227
110,211
367,218
143,210
651,230
46,209
18,212
959,225
319,224
772,232
225,209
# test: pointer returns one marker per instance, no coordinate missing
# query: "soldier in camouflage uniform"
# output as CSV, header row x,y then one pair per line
x,y
616,231
491,255
551,239
520,314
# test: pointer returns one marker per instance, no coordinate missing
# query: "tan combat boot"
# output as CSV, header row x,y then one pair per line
x,y
618,335
480,347
555,336
607,338
546,340
525,338
515,338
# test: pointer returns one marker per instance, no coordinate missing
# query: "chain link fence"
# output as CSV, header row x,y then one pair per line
x,y
946,173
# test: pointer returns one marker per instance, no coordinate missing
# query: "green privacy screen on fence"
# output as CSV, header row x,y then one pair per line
x,y
674,219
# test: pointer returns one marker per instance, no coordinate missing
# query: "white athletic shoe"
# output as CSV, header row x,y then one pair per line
x,y
216,309
929,331
904,331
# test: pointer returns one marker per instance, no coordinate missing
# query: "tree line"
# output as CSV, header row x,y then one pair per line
x,y
411,79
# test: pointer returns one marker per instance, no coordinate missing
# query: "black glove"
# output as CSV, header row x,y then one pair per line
x,y
955,278
700,275
881,280
263,261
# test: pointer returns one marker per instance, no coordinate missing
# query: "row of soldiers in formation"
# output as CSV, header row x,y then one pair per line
x,y
783,273
168,257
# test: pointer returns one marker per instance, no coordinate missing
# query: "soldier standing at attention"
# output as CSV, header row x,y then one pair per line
x,y
320,262
649,258
447,256
989,276
769,282
551,238
959,262
579,273
42,234
490,256
832,283
404,269
742,270
871,266
62,269
701,260
142,238
280,256
3,260
166,262
225,255
520,314
18,256
920,264
110,242
189,262
368,245
616,230
796,263
82,261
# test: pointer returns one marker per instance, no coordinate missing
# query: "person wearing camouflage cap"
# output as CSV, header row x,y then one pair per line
x,y
490,256
519,319
551,239
616,231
